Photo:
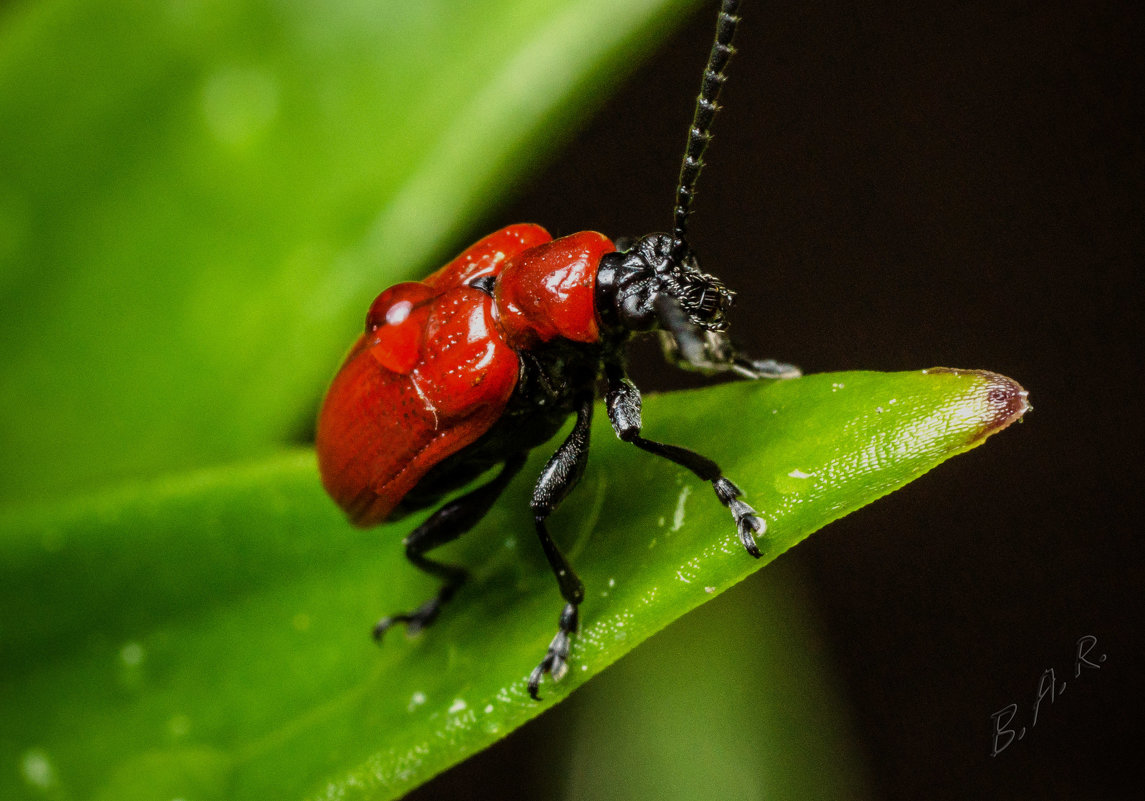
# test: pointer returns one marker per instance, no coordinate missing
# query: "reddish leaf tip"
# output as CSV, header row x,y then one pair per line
x,y
1005,400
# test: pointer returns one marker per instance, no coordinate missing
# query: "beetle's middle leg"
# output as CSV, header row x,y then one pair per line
x,y
445,525
560,475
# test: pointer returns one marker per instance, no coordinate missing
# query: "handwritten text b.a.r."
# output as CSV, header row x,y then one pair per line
x,y
1005,730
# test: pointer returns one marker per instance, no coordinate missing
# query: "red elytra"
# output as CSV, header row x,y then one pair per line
x,y
438,361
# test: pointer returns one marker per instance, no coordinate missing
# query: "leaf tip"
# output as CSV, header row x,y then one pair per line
x,y
1002,400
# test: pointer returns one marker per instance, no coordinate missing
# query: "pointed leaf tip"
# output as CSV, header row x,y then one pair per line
x,y
997,399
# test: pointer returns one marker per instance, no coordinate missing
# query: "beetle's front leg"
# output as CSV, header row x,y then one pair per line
x,y
712,352
623,401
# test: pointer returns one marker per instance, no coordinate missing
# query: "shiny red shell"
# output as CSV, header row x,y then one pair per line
x,y
438,362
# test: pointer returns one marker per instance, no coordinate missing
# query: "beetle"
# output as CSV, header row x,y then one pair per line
x,y
485,359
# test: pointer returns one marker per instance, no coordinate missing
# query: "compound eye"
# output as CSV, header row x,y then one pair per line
x,y
637,313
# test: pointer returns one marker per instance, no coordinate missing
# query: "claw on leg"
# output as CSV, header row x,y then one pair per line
x,y
414,621
748,523
555,662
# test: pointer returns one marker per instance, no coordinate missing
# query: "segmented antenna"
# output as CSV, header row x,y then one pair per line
x,y
706,107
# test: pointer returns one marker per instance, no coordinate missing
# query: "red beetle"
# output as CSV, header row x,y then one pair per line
x,y
486,358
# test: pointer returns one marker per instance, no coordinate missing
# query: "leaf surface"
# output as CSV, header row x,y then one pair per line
x,y
208,636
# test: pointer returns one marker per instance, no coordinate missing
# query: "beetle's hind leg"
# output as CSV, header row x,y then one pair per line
x,y
445,525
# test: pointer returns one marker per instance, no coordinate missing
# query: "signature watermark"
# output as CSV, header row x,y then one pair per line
x,y
1006,730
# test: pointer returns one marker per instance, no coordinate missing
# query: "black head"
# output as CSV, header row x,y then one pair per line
x,y
657,283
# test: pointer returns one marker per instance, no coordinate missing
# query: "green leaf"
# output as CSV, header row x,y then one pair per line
x,y
199,199
207,636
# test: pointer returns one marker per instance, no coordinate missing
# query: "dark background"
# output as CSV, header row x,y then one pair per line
x,y
897,187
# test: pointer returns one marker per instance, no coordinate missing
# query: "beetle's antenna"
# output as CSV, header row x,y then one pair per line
x,y
706,107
